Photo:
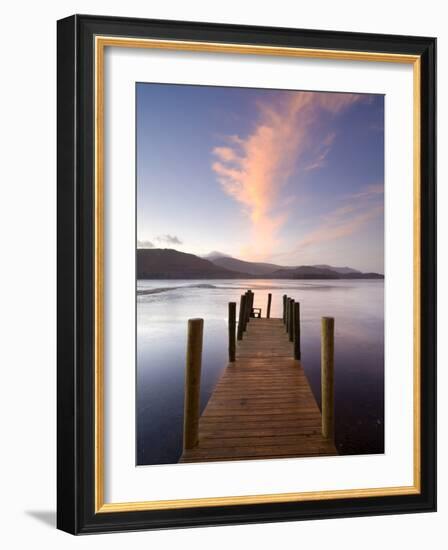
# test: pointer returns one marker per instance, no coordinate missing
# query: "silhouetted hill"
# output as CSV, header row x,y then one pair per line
x,y
343,270
253,268
313,272
215,254
359,275
306,272
274,271
166,263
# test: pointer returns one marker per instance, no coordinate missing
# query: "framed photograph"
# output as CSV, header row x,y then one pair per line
x,y
246,274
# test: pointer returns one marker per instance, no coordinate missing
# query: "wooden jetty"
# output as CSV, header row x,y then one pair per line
x,y
263,406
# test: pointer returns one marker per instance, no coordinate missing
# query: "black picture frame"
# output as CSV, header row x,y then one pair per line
x,y
76,271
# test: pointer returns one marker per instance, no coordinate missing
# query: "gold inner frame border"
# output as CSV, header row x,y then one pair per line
x,y
101,42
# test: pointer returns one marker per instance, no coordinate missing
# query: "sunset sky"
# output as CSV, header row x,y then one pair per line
x,y
289,177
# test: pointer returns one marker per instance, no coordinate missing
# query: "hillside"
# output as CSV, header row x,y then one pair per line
x,y
252,268
306,272
313,272
274,271
343,270
166,263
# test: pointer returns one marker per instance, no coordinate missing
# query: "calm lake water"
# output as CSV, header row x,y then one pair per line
x,y
163,308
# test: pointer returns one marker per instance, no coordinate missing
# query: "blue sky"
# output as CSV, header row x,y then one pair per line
x,y
289,177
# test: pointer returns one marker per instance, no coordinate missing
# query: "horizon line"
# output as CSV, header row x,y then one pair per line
x,y
220,255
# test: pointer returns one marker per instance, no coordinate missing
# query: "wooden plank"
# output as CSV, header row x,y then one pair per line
x,y
306,403
308,440
285,417
255,401
265,456
223,432
297,449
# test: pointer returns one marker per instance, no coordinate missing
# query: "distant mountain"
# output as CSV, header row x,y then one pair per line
x,y
359,275
343,270
214,255
274,271
314,272
252,268
166,263
306,272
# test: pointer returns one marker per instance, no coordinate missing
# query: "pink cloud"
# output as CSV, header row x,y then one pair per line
x,y
346,220
322,152
369,192
339,228
227,154
254,169
328,140
318,162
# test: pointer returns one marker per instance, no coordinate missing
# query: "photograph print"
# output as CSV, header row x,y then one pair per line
x,y
259,274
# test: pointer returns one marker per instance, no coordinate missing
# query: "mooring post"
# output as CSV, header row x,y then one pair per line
x,y
232,324
242,316
327,366
284,308
193,382
246,309
268,311
287,314
297,351
291,320
250,301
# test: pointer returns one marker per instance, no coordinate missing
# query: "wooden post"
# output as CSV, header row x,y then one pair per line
x,y
287,314
291,320
232,323
297,351
327,366
242,316
193,382
284,308
246,309
249,303
268,311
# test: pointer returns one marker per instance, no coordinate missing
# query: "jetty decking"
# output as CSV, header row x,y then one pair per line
x,y
263,406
